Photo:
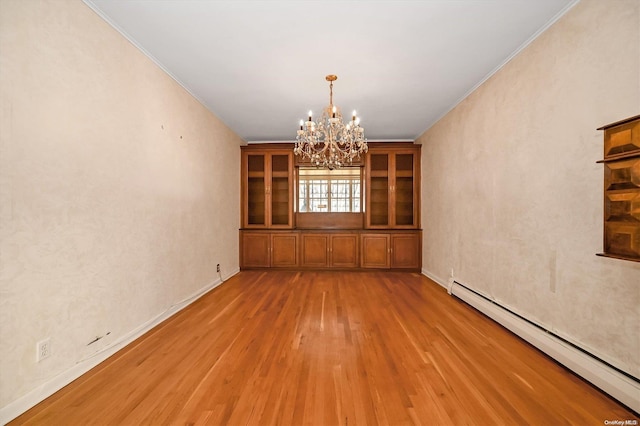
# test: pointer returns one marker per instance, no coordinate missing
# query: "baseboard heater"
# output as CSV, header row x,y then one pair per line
x,y
619,384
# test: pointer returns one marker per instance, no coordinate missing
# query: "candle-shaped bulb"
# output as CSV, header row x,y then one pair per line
x,y
301,124
354,115
333,112
310,115
357,121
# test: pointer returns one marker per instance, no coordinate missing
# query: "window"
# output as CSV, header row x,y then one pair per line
x,y
326,191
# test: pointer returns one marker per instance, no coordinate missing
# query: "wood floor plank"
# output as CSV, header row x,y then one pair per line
x,y
327,348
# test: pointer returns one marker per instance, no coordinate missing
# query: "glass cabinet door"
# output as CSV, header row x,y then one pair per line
x,y
378,190
256,202
392,188
268,189
403,190
280,190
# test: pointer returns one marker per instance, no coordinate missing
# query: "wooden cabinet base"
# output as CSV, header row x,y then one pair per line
x,y
255,250
376,251
343,249
268,249
405,251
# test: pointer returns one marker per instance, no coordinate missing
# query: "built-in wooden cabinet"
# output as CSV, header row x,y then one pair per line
x,y
388,238
622,189
391,250
328,250
268,249
392,187
267,188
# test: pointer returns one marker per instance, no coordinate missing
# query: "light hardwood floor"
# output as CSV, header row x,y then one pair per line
x,y
325,348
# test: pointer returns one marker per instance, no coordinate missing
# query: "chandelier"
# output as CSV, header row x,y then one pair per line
x,y
329,143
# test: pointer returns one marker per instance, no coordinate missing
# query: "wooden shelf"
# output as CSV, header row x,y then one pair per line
x,y
621,189
624,156
619,257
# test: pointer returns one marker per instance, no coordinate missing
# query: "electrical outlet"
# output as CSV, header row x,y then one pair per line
x,y
43,348
218,267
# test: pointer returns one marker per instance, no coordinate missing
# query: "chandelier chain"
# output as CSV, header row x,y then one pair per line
x,y
331,94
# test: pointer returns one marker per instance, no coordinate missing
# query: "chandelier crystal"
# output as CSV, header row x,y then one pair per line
x,y
329,143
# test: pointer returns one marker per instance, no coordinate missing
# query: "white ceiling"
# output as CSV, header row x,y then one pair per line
x,y
261,65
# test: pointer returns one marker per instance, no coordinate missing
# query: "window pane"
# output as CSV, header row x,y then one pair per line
x,y
329,190
340,195
340,205
318,195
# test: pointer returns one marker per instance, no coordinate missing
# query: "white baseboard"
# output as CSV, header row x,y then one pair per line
x,y
39,394
438,280
623,388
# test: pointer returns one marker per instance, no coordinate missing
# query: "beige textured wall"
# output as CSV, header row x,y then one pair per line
x,y
119,192
512,196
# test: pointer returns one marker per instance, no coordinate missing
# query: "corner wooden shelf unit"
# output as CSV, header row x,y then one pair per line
x,y
622,189
385,234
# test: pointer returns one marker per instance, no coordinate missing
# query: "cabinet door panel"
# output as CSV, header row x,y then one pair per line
x,y
378,190
378,213
315,250
344,251
255,250
375,251
281,190
405,251
255,192
405,190
284,250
